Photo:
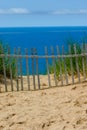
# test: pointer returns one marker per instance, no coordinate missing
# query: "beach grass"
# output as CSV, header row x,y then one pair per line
x,y
60,62
9,62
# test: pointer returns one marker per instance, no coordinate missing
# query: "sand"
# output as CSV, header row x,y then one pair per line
x,y
59,108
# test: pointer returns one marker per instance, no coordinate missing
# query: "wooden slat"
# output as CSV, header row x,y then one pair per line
x,y
20,61
27,69
4,69
44,56
37,71
83,62
33,73
16,63
71,65
10,70
77,66
59,62
54,65
47,63
64,60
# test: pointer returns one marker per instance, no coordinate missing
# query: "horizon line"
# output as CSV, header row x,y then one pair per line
x,y
43,26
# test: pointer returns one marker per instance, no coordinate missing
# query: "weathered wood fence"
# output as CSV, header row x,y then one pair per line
x,y
66,68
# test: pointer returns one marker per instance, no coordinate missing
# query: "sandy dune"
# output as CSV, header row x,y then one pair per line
x,y
60,108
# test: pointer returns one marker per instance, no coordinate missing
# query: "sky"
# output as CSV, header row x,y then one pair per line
x,y
29,13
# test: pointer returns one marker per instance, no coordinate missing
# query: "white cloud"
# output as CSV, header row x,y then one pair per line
x,y
56,12
69,12
19,10
14,11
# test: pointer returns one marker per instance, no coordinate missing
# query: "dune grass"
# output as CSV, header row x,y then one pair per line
x,y
9,62
60,62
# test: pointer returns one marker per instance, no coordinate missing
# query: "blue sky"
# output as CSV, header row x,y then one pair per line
x,y
15,13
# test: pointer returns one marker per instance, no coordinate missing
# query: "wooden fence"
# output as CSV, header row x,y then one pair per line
x,y
66,68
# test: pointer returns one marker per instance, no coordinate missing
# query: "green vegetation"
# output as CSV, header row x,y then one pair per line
x,y
60,62
9,62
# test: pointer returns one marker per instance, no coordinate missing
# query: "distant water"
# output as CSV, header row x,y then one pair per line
x,y
39,37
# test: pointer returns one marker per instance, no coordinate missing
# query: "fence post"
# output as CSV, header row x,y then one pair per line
x,y
64,60
54,65
46,52
71,64
27,68
32,53
37,71
20,61
83,62
4,69
77,66
59,61
10,69
86,57
16,63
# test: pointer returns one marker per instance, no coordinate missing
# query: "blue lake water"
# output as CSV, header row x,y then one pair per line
x,y
39,37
